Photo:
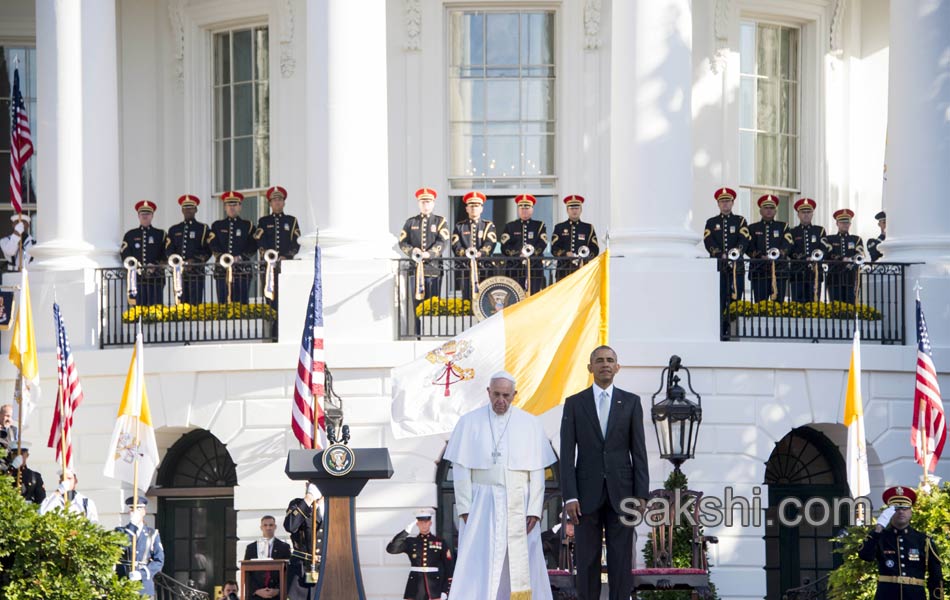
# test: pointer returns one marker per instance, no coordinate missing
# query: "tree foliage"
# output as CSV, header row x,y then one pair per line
x,y
57,555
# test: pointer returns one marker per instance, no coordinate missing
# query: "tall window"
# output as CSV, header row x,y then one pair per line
x,y
242,114
502,99
769,113
26,60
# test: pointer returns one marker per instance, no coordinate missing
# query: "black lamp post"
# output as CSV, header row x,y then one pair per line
x,y
676,418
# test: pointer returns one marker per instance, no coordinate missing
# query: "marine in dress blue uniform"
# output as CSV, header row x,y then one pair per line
x,y
430,559
843,247
874,253
908,565
149,553
235,236
473,232
147,245
806,238
190,240
525,231
723,233
767,234
568,237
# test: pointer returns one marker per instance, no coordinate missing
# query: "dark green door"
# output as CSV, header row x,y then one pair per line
x,y
199,535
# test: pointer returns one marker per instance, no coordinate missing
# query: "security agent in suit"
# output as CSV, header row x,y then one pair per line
x,y
874,253
602,428
149,553
908,565
426,233
570,236
525,231
724,232
767,234
147,245
266,584
473,232
843,248
190,240
429,556
235,236
31,482
298,522
806,238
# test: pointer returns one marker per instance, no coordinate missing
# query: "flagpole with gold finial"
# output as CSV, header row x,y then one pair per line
x,y
62,436
18,395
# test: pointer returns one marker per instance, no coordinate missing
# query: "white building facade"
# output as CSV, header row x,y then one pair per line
x,y
643,107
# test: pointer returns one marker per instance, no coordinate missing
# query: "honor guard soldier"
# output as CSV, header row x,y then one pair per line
x,y
727,232
771,241
146,245
843,248
873,252
278,231
233,241
908,565
17,245
299,524
190,240
472,236
149,553
30,482
525,237
569,237
808,242
423,238
429,556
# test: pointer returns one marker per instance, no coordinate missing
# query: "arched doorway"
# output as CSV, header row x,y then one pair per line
x,y
195,489
804,464
447,517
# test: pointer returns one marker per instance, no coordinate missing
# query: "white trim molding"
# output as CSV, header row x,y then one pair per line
x,y
834,39
176,15
592,15
288,61
413,25
721,21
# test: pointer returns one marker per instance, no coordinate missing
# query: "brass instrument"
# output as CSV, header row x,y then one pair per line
x,y
816,256
420,273
582,253
270,285
175,261
773,255
526,251
226,260
734,255
859,259
472,254
131,265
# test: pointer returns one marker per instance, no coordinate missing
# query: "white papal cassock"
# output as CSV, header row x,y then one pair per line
x,y
498,464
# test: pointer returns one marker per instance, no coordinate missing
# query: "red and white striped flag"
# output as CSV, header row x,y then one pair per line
x,y
309,390
21,144
929,431
71,391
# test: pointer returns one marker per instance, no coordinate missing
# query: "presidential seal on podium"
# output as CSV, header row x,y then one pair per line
x,y
338,460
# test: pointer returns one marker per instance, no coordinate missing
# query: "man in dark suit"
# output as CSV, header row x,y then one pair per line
x,y
266,584
602,427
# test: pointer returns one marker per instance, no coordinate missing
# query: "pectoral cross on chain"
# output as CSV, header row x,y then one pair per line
x,y
495,456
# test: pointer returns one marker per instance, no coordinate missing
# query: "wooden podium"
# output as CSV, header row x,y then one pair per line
x,y
340,479
264,564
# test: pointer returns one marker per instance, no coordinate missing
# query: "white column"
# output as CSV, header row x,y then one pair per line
x,y
77,147
651,123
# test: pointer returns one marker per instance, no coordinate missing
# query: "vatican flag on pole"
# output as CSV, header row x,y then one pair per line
x,y
133,439
858,479
545,341
23,351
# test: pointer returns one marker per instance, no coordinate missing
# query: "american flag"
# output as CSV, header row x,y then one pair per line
x,y
309,386
930,426
21,144
70,393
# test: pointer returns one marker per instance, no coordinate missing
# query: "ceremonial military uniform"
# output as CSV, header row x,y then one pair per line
x,y
873,252
31,485
571,236
472,233
190,240
147,246
431,563
843,247
278,231
805,240
723,233
516,236
234,236
149,553
767,235
299,524
908,565
426,233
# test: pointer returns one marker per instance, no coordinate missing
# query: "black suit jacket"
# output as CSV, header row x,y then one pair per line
x,y
588,460
257,578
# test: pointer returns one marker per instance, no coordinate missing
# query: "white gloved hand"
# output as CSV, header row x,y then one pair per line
x,y
135,576
17,462
409,527
19,227
444,596
885,517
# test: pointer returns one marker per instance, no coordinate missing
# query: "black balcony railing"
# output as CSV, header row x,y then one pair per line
x,y
443,286
813,301
169,588
211,308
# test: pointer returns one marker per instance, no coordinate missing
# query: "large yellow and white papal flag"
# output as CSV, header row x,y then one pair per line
x,y
857,453
545,341
23,351
133,439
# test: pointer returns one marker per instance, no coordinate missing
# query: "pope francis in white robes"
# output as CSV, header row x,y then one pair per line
x,y
498,455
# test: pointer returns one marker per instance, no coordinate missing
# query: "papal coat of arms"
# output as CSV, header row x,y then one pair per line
x,y
447,358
